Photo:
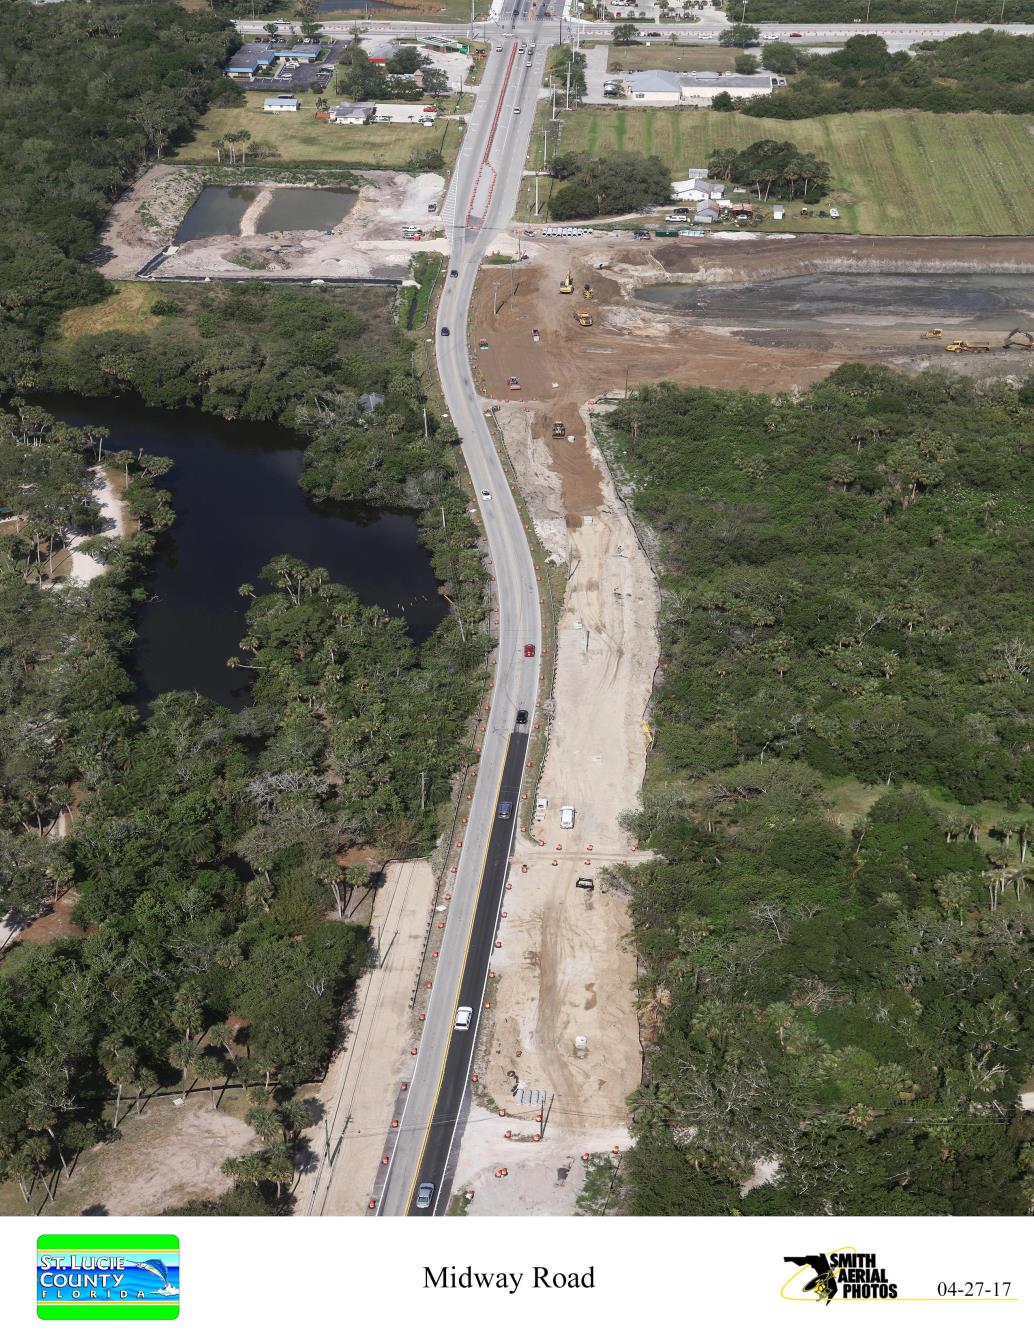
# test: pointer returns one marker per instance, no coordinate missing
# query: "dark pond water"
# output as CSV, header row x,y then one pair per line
x,y
217,212
238,504
867,298
305,207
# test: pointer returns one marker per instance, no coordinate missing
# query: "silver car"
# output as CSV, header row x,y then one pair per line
x,y
425,1194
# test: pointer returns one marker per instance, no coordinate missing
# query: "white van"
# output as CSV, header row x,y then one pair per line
x,y
463,1016
567,817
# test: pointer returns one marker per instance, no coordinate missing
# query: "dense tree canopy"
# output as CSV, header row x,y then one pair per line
x,y
778,169
845,602
987,71
615,183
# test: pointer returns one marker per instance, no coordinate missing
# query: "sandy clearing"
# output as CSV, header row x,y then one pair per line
x,y
543,1179
362,1083
163,1157
114,524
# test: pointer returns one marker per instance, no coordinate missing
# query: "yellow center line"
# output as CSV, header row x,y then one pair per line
x,y
459,986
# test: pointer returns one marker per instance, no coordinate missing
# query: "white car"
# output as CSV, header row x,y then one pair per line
x,y
567,817
486,494
463,1016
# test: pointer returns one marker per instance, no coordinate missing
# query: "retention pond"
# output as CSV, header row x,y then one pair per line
x,y
238,504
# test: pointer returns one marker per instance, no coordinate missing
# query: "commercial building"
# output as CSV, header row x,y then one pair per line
x,y
252,57
659,87
281,103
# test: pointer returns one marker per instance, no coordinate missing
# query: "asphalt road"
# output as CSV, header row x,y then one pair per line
x,y
897,35
478,207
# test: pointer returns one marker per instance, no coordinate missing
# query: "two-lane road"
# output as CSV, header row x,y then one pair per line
x,y
478,208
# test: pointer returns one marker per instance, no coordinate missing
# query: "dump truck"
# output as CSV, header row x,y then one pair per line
x,y
559,431
535,334
567,286
514,383
584,319
963,346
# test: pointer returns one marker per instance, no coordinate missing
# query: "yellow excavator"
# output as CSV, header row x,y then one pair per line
x,y
1019,339
586,292
567,286
934,333
559,430
584,319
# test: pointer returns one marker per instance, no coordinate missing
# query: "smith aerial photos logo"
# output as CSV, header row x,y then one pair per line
x,y
107,1277
843,1275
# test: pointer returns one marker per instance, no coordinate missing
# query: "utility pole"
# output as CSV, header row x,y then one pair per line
x,y
495,299
425,422
536,194
545,154
444,526
567,94
423,789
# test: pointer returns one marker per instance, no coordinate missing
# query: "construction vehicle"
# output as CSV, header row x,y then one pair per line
x,y
535,334
586,292
934,333
962,346
482,344
567,286
514,383
1019,339
584,319
559,431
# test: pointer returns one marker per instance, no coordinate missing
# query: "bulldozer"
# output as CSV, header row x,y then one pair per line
x,y
584,319
587,292
567,286
1019,339
963,346
559,430
934,333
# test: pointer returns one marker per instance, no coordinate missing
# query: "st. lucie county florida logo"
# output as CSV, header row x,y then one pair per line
x,y
107,1277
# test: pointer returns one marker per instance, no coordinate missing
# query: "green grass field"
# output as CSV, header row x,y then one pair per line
x,y
895,173
661,57
301,141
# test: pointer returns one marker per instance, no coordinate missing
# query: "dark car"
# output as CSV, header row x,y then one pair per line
x,y
522,717
445,329
454,274
505,810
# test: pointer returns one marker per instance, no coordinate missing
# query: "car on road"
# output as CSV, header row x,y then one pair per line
x,y
522,717
567,817
505,811
432,208
425,1194
486,494
454,274
529,651
463,1016
445,329
516,111
585,883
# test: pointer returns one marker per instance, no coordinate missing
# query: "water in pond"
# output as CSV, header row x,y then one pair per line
x,y
217,212
860,299
305,207
238,504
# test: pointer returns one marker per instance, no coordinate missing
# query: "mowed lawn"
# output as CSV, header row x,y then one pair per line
x,y
658,57
894,173
303,141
